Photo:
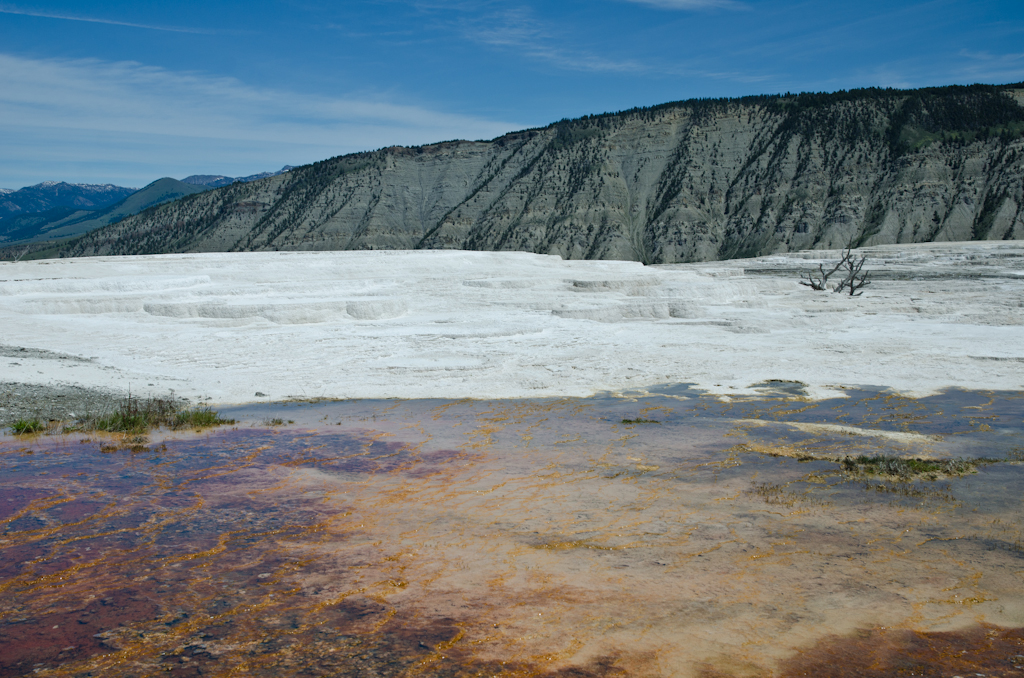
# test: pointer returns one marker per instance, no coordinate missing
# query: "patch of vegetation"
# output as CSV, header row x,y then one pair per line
x,y
872,225
35,250
987,216
915,138
199,417
954,115
138,415
26,426
276,422
909,467
570,132
641,421
133,416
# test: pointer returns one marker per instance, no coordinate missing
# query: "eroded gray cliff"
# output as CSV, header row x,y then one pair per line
x,y
689,181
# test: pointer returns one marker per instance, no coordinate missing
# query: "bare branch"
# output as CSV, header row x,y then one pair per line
x,y
836,267
821,282
854,277
857,284
812,283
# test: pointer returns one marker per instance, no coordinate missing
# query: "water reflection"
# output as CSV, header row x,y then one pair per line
x,y
543,537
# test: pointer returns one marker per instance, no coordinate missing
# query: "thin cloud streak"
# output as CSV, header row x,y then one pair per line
x,y
69,17
691,5
91,94
986,67
178,114
516,29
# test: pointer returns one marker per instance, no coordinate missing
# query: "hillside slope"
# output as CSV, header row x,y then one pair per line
x,y
156,193
687,181
25,228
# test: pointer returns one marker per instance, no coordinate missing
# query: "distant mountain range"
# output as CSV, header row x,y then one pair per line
x,y
51,194
56,223
55,210
218,180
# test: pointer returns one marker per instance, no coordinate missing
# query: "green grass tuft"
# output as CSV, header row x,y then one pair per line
x,y
26,426
135,415
640,421
200,417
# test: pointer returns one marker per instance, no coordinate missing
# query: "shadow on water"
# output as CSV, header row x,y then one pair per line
x,y
658,533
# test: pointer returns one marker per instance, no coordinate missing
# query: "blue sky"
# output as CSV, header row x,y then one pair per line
x,y
126,92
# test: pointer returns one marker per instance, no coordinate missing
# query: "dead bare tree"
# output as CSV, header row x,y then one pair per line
x,y
820,283
854,278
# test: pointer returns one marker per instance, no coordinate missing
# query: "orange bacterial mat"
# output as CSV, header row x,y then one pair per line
x,y
665,533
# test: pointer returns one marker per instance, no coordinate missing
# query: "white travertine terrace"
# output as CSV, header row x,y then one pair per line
x,y
452,324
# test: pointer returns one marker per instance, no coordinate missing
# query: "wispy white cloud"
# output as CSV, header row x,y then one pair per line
x,y
963,68
517,29
691,5
994,68
125,112
7,9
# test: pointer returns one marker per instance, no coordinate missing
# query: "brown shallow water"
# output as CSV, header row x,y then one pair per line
x,y
523,538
